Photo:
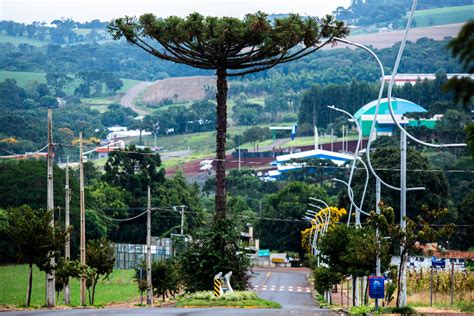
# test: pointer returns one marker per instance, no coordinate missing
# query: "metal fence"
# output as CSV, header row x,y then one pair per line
x,y
128,256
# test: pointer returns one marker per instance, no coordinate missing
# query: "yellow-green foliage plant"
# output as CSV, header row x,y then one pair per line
x,y
336,214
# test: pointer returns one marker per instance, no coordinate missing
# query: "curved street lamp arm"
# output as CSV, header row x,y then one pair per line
x,y
327,207
372,129
351,195
327,218
392,82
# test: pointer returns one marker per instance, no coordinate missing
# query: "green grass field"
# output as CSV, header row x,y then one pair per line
x,y
22,78
120,287
17,40
447,15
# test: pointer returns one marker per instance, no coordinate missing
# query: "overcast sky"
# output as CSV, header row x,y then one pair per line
x,y
86,10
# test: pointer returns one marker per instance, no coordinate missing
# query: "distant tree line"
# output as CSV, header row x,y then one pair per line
x,y
60,31
328,66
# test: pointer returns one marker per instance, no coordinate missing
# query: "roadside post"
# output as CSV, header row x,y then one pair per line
x,y
217,285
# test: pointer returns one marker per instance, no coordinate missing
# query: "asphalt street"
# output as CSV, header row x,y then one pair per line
x,y
287,286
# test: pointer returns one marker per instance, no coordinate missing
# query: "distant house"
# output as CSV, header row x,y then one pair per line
x,y
401,79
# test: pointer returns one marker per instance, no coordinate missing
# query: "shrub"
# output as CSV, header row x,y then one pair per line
x,y
361,310
216,250
231,297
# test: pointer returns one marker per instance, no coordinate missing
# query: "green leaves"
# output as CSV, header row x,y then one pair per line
x,y
226,42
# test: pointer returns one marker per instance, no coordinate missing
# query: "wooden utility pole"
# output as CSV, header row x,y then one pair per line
x,y
149,287
83,218
67,249
50,282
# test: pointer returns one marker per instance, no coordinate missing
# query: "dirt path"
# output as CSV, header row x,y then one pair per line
x,y
128,100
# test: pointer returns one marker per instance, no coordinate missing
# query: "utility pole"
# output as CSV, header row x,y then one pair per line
x,y
67,249
403,213
83,218
149,288
50,282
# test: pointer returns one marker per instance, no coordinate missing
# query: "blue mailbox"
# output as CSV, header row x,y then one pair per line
x,y
376,287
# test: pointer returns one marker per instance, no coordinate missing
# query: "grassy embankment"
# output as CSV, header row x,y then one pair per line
x,y
119,287
98,103
441,16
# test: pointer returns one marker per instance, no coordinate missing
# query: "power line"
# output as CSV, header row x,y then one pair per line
x,y
121,219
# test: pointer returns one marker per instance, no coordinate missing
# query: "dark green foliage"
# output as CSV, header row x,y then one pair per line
x,y
317,171
252,135
436,194
247,113
352,251
325,278
165,277
118,115
66,269
34,240
100,263
134,170
24,182
213,251
289,205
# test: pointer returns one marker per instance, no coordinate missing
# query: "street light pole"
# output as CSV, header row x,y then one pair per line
x,y
377,208
403,213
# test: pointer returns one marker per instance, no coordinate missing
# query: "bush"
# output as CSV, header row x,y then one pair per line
x,y
361,310
216,250
165,277
469,307
324,278
289,118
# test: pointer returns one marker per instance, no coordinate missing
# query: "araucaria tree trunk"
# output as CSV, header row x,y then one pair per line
x,y
221,127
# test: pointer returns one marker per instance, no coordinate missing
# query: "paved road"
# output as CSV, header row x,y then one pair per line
x,y
128,100
289,287
277,143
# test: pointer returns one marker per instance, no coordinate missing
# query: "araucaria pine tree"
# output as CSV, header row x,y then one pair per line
x,y
231,47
